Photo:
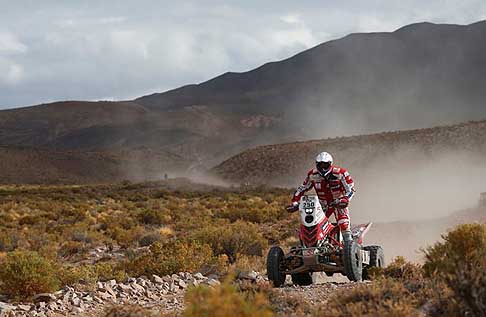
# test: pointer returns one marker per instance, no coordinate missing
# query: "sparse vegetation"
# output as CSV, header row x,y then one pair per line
x,y
48,234
26,273
171,257
226,300
156,229
460,263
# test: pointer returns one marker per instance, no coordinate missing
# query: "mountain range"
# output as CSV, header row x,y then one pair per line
x,y
418,76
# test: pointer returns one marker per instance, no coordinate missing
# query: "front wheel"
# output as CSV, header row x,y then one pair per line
x,y
377,259
353,264
274,259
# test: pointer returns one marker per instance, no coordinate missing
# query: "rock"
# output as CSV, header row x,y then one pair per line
x,y
76,301
173,287
110,291
182,284
137,288
4,307
52,306
124,288
43,297
192,282
157,279
212,282
252,276
199,276
105,295
111,283
23,307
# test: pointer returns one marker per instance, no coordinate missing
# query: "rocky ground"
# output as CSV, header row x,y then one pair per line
x,y
162,294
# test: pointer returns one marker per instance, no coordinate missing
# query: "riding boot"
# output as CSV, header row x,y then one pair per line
x,y
347,237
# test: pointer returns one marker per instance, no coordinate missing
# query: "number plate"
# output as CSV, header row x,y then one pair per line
x,y
308,205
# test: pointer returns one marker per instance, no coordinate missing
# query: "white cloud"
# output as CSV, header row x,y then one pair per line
x,y
89,50
291,18
10,44
10,72
111,20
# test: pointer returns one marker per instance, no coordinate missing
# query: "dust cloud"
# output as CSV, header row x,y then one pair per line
x,y
408,186
413,199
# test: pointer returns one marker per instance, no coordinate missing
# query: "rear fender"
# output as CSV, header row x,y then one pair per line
x,y
359,231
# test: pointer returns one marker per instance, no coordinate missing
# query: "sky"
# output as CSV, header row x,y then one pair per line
x,y
118,50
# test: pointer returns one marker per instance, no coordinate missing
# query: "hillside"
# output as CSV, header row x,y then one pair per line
x,y
283,163
25,165
418,76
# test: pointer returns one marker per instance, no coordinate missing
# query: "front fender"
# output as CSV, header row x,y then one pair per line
x,y
359,231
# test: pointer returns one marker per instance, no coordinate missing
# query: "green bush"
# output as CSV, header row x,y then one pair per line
x,y
225,300
151,217
403,270
386,297
460,262
171,257
239,238
26,273
89,274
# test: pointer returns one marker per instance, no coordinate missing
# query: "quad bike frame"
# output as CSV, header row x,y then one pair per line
x,y
322,249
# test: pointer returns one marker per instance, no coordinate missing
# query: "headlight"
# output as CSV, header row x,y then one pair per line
x,y
309,219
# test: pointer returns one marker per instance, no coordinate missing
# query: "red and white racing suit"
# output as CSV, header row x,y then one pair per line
x,y
337,184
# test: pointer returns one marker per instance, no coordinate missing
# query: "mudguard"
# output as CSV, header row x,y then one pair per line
x,y
359,231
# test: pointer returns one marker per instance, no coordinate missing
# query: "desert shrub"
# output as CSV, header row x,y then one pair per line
x,y
89,274
171,257
127,237
386,297
71,248
151,217
8,241
460,262
462,245
149,239
26,273
248,263
239,238
401,269
253,209
225,300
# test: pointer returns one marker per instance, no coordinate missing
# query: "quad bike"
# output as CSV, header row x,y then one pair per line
x,y
322,249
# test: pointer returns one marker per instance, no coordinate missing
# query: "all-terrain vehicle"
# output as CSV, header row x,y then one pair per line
x,y
322,249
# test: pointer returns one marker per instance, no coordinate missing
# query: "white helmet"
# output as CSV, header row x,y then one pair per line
x,y
324,163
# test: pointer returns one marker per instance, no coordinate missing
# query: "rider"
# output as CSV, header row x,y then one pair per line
x,y
334,187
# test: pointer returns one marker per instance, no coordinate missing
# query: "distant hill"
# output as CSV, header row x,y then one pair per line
x,y
287,163
26,165
421,75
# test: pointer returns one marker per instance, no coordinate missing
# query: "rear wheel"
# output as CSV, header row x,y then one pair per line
x,y
353,265
377,259
302,279
274,259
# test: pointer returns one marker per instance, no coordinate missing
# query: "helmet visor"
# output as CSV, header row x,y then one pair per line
x,y
323,166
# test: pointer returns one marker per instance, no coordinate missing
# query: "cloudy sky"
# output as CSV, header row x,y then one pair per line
x,y
92,50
